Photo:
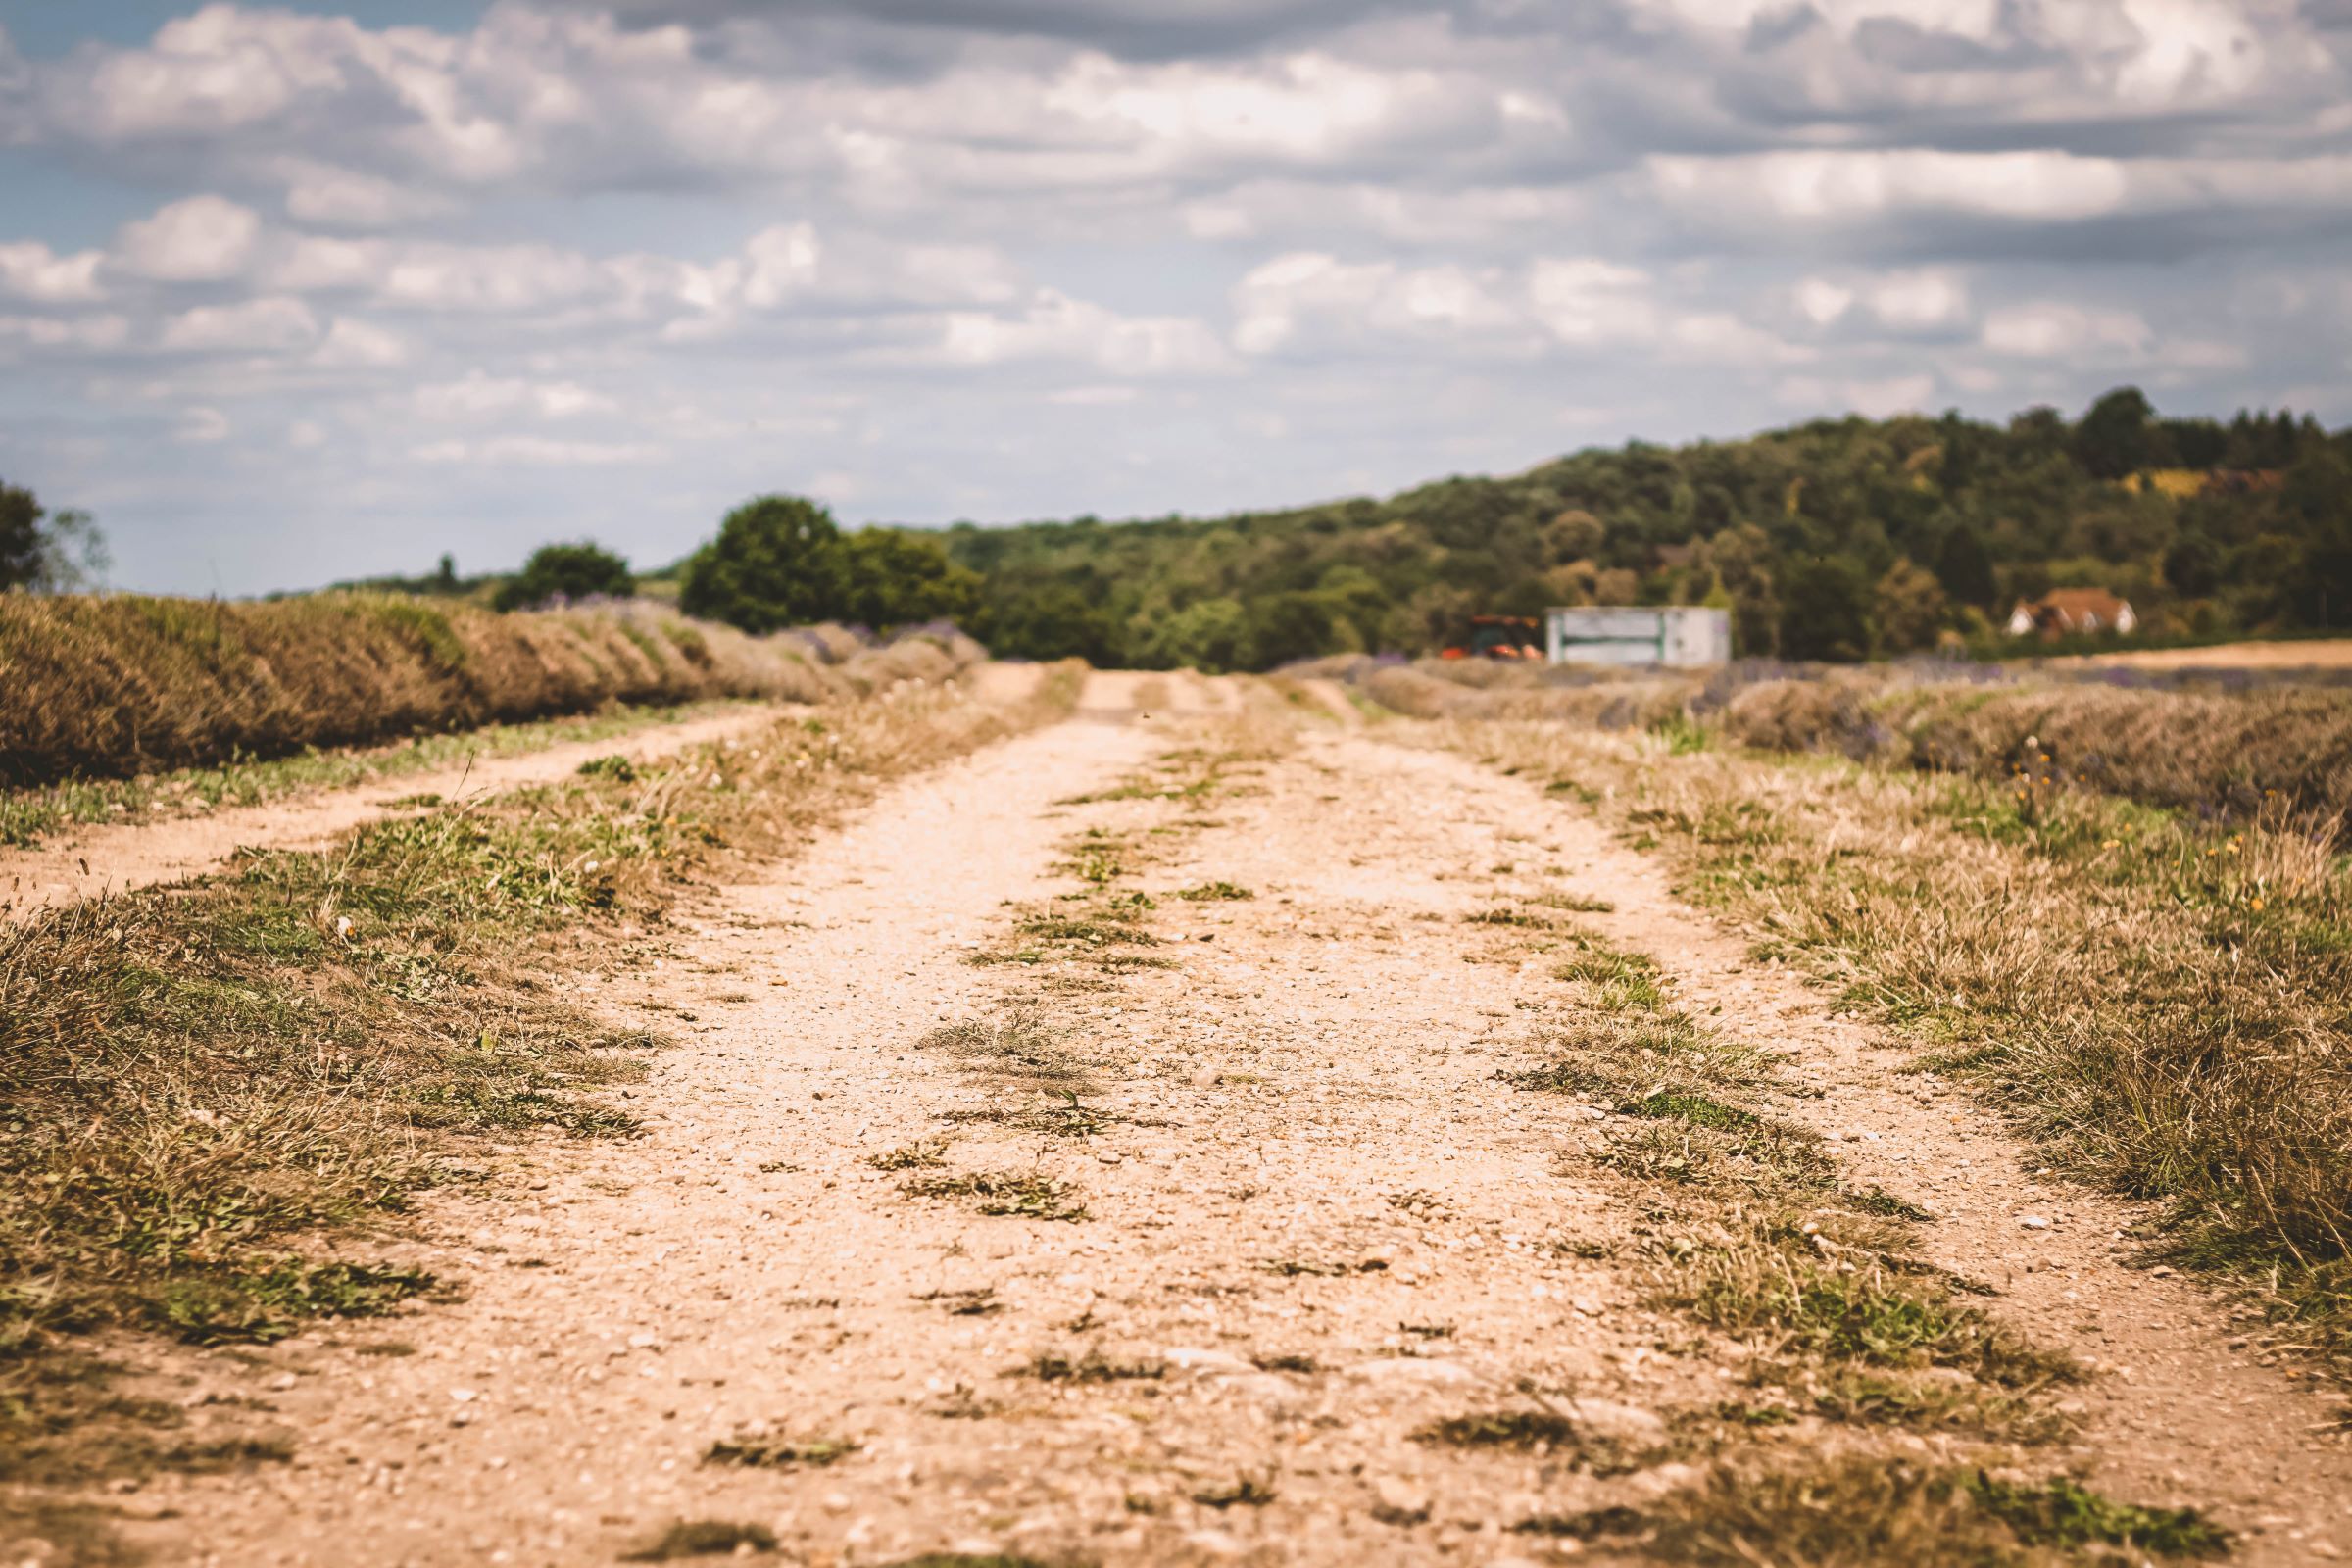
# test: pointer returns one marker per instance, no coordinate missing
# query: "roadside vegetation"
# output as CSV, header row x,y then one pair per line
x,y
124,685
2156,994
26,816
223,1095
2220,754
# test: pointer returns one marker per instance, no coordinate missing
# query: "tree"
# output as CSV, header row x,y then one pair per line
x,y
1825,608
565,573
44,552
1054,621
2112,439
2192,567
1910,606
1575,535
890,578
1963,566
776,563
2316,495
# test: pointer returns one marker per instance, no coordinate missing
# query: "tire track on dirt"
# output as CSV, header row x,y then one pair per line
x,y
628,1302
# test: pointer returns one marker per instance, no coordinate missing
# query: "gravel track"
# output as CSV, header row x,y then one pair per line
x,y
1315,1217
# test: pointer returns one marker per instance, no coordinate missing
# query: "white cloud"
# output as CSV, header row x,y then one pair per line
x,y
2053,330
201,426
1842,186
478,396
1056,326
87,333
269,325
1920,301
32,270
1874,399
351,343
202,239
530,451
1308,299
1587,301
1822,301
344,198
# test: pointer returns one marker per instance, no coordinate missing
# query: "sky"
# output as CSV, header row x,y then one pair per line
x,y
290,294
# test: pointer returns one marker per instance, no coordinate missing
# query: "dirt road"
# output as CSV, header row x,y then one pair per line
x,y
1275,1214
87,862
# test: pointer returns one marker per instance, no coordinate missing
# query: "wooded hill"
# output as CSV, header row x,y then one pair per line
x,y
1836,539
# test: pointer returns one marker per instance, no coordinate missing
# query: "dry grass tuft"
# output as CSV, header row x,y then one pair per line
x,y
1865,1512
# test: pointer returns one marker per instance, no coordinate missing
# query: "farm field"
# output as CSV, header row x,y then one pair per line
x,y
2301,654
1149,1118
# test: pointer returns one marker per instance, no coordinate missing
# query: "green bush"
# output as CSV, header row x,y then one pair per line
x,y
568,572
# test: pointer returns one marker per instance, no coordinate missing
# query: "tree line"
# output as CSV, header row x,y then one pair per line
x,y
1837,539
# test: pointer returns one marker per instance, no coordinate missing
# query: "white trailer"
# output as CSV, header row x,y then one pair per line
x,y
1677,636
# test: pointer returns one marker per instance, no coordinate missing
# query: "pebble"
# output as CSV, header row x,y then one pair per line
x,y
2034,1222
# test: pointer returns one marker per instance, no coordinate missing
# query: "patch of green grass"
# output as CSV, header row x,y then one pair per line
x,y
1245,1492
760,1450
1508,918
1091,1367
1867,1511
705,1538
925,1153
1523,1431
1299,1267
2065,1513
1926,1403
1758,1156
1016,1045
1574,902
980,1301
1870,1314
1875,1200
1625,981
216,1308
1084,932
1214,891
1015,1195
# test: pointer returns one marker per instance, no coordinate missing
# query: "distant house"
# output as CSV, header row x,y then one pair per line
x,y
2071,612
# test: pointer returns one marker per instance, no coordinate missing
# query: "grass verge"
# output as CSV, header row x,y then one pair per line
x,y
2157,997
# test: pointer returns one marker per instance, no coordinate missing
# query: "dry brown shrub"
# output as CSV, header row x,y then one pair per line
x,y
128,684
2183,748
1796,716
1415,693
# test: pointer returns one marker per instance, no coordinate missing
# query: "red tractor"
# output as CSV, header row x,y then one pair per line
x,y
1516,637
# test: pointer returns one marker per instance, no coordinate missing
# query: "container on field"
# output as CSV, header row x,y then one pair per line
x,y
1675,636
